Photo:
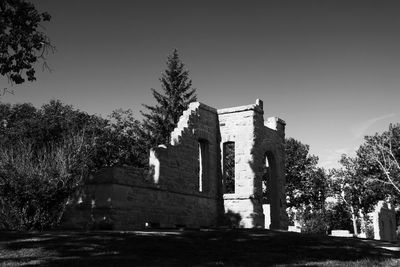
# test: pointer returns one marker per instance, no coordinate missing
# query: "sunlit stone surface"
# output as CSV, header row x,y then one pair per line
x,y
185,185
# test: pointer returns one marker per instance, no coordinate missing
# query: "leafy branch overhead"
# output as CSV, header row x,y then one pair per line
x,y
22,43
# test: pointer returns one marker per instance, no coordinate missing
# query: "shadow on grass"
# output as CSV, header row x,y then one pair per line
x,y
182,248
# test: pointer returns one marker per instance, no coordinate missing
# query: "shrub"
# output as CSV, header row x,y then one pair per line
x,y
35,184
314,223
338,217
369,231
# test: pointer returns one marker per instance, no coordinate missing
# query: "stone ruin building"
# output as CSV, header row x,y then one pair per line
x,y
209,175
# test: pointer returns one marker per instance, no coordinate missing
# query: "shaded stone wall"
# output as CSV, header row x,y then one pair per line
x,y
384,221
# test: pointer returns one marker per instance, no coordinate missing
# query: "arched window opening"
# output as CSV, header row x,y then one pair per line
x,y
266,180
229,167
271,191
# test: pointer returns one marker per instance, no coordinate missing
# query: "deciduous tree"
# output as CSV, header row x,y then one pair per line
x,y
354,189
380,157
306,187
22,41
117,144
302,175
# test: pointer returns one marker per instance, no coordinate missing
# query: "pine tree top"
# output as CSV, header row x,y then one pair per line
x,y
175,96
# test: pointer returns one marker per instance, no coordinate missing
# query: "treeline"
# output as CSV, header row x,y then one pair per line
x,y
372,175
112,141
321,200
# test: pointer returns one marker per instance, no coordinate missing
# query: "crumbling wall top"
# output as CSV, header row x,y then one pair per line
x,y
205,107
275,123
258,107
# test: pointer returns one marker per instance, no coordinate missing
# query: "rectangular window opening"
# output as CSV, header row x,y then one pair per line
x,y
203,164
229,167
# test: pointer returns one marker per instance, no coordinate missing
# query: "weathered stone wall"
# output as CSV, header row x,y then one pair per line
x,y
255,140
384,221
178,162
174,193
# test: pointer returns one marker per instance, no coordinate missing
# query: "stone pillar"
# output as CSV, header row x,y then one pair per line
x,y
237,125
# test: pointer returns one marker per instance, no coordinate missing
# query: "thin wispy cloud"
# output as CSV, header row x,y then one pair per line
x,y
359,129
331,157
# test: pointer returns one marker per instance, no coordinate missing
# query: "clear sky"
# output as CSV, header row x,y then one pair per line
x,y
330,69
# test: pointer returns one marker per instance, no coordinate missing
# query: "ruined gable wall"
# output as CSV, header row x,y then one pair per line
x,y
170,195
179,161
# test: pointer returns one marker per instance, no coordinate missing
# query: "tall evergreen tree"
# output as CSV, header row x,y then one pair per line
x,y
177,93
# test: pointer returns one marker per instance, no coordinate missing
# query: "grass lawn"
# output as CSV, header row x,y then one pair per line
x,y
191,248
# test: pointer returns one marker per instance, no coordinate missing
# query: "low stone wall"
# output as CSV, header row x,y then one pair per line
x,y
116,198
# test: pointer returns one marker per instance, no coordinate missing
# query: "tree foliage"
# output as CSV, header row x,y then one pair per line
x,y
372,175
380,158
53,122
114,139
45,153
305,182
338,216
22,43
177,93
306,188
35,184
118,143
353,190
352,185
